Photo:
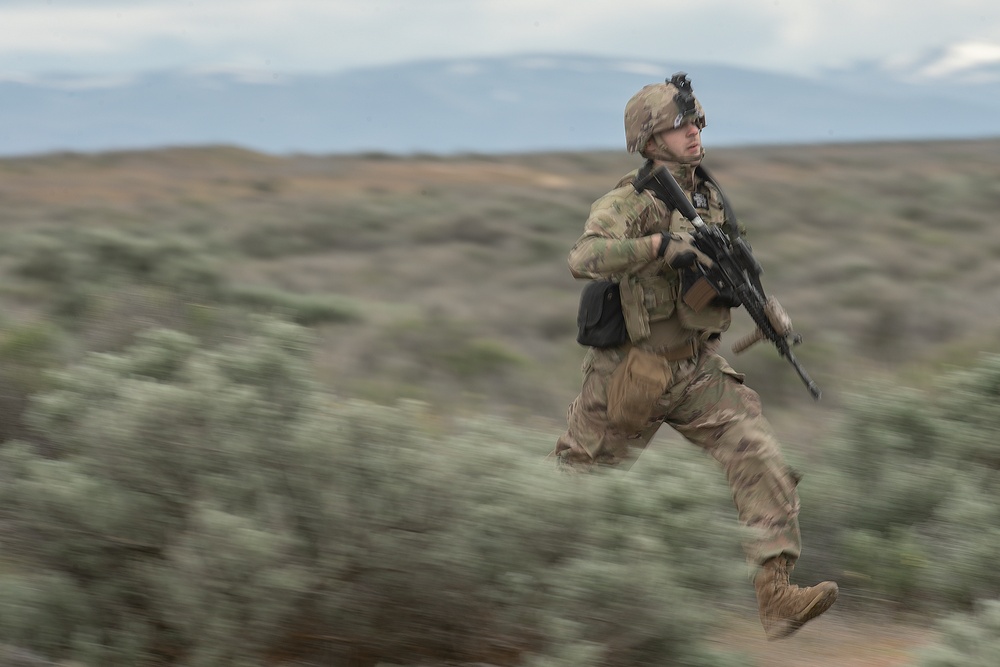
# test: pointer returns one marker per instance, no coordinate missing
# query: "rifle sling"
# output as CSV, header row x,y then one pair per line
x,y
732,229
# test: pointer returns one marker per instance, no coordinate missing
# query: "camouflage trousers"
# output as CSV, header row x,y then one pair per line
x,y
707,403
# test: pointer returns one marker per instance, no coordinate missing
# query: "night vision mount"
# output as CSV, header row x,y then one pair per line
x,y
685,96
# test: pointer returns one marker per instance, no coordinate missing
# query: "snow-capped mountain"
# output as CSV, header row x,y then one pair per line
x,y
484,105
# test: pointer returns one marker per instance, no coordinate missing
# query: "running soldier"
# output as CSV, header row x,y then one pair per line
x,y
662,366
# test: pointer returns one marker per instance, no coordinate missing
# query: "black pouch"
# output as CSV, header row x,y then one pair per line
x,y
600,320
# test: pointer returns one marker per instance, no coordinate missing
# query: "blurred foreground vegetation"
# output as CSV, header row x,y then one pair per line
x,y
294,411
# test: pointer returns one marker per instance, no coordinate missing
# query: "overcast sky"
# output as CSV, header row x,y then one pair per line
x,y
796,36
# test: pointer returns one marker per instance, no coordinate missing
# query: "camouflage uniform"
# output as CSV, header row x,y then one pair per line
x,y
706,400
678,376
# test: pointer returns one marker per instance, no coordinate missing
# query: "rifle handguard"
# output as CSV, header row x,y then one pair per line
x,y
778,318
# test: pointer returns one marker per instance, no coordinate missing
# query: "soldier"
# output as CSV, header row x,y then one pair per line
x,y
664,367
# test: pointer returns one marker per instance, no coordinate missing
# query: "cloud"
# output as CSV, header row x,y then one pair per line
x,y
153,34
302,35
963,57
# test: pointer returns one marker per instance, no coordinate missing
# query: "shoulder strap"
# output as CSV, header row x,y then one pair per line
x,y
732,228
642,175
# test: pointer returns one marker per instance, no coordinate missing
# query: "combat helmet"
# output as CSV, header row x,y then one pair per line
x,y
658,107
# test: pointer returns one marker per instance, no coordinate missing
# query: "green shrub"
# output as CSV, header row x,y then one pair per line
x,y
27,352
967,640
46,258
904,504
304,309
314,231
39,610
214,507
481,357
81,266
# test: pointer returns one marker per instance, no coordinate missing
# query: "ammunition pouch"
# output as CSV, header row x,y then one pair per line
x,y
702,306
600,321
701,287
645,301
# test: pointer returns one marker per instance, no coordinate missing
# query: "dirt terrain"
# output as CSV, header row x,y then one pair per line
x,y
837,639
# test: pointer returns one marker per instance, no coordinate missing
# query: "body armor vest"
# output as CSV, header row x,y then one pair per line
x,y
655,315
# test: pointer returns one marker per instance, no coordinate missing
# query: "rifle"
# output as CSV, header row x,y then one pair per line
x,y
736,272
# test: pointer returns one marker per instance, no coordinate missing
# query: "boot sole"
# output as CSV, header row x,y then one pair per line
x,y
817,607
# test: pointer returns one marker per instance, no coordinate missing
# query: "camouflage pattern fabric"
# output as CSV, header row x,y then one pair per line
x,y
706,401
654,109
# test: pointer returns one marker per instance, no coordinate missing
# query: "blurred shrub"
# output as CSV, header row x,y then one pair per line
x,y
965,538
304,309
278,239
904,505
315,230
435,344
213,507
101,255
480,357
27,352
84,267
42,257
108,285
462,364
968,640
37,607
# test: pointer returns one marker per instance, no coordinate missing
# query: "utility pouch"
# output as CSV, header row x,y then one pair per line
x,y
700,287
600,321
635,388
699,293
634,309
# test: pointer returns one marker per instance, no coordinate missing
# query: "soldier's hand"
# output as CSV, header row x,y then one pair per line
x,y
678,251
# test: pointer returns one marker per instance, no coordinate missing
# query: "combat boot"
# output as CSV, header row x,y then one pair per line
x,y
785,608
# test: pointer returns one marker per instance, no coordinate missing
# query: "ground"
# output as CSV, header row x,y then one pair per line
x,y
837,639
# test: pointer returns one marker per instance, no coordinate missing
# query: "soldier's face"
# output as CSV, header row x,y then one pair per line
x,y
683,141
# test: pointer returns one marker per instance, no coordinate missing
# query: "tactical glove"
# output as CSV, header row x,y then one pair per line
x,y
678,251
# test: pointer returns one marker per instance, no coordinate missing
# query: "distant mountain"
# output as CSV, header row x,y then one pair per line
x,y
486,105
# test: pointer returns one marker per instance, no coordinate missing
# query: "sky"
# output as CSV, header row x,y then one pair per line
x,y
804,37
